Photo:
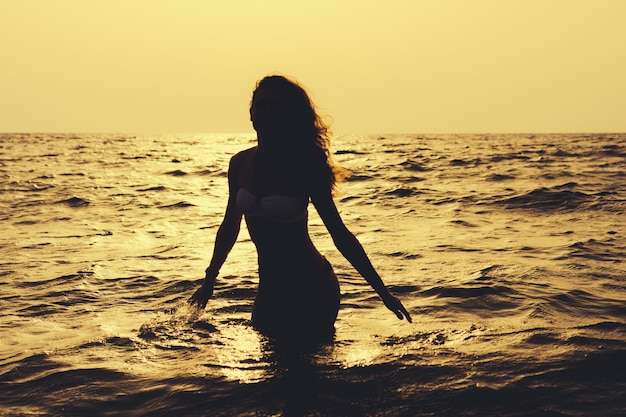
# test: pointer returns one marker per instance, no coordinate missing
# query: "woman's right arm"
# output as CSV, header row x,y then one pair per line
x,y
224,240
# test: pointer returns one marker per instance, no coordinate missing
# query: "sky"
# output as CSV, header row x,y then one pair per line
x,y
374,66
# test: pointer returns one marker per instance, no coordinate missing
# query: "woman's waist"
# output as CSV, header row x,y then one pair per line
x,y
289,263
295,239
296,251
288,271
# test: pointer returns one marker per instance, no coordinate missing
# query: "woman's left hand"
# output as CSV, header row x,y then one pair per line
x,y
394,304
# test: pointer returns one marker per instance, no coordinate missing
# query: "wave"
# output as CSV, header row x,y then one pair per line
x,y
180,204
547,199
64,279
402,192
155,188
598,250
75,202
27,187
176,173
486,384
499,177
414,166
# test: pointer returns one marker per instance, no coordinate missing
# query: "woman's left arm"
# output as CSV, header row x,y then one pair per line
x,y
351,249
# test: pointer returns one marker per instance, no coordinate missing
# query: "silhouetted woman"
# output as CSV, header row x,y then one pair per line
x,y
271,185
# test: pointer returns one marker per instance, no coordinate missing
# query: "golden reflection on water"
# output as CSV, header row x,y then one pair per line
x,y
241,354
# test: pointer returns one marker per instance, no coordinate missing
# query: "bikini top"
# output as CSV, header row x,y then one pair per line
x,y
279,208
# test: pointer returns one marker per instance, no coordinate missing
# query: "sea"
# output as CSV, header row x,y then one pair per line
x,y
508,250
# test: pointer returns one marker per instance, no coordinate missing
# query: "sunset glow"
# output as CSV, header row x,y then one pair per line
x,y
377,66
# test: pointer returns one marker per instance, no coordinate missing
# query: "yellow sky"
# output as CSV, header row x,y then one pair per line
x,y
377,66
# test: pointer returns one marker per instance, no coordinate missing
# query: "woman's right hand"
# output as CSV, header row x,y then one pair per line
x,y
202,294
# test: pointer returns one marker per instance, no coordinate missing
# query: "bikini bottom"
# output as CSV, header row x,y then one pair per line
x,y
301,312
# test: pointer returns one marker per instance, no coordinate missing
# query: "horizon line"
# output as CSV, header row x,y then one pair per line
x,y
334,134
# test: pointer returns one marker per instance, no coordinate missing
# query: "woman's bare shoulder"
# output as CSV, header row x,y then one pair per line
x,y
242,157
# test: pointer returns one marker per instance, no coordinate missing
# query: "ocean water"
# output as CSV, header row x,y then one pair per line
x,y
508,250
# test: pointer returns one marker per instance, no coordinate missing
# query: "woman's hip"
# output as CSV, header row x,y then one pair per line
x,y
306,298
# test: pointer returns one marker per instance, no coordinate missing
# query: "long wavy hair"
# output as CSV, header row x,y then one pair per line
x,y
311,141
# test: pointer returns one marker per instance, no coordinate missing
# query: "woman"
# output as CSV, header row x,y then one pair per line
x,y
271,184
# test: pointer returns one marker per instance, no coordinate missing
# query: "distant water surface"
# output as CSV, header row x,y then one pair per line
x,y
508,250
